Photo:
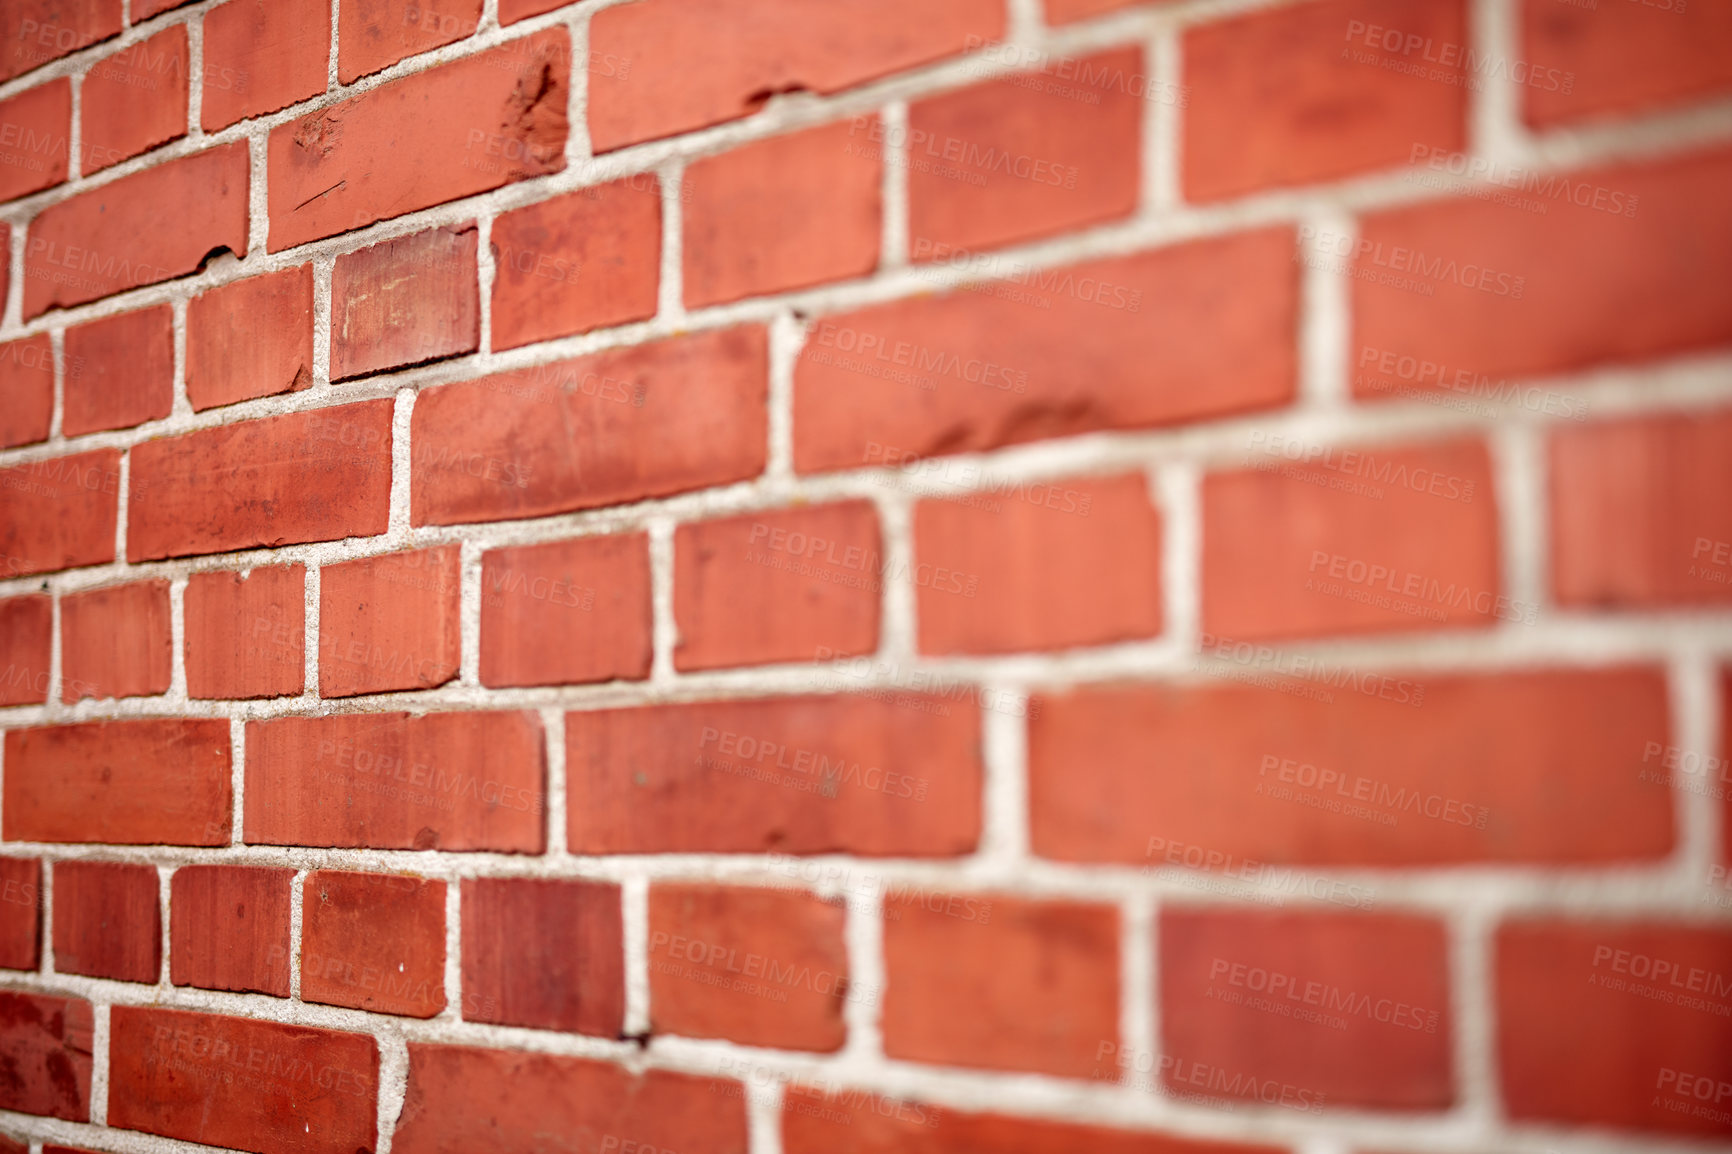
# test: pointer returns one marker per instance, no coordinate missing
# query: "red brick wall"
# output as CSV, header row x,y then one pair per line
x,y
956,576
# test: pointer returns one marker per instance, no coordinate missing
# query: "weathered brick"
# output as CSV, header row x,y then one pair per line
x,y
134,100
26,649
116,642
26,391
246,633
389,622
375,34
108,921
229,928
276,313
261,56
20,913
566,612
373,942
405,301
35,32
544,953
59,513
119,371
45,1047
35,138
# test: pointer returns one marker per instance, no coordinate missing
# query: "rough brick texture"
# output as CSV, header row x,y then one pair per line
x,y
404,302
262,55
115,642
20,913
277,313
119,371
108,921
45,1045
373,942
567,611
35,138
229,928
246,633
134,100
544,954
389,622
27,388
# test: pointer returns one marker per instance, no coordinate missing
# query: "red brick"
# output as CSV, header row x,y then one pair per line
x,y
1129,342
375,34
760,967
119,371
1622,59
373,942
449,781
26,631
1353,1008
20,913
669,66
1521,767
389,622
1066,11
405,301
261,56
107,921
276,313
855,1122
783,213
8,1146
1639,1008
158,782
26,390
462,1099
134,100
246,633
1000,983
816,775
1025,156
511,11
45,1050
143,10
59,513
548,954
566,612
35,128
1048,565
648,421
151,226
115,642
229,928
1595,285
37,31
451,131
314,476
1288,553
778,586
1297,95
1640,515
586,260
312,1091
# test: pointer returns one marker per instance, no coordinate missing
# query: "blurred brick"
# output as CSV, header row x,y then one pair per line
x,y
26,391
373,942
784,213
787,585
59,513
35,138
1066,11
275,311
389,622
375,34
1613,60
405,301
566,612
108,921
26,649
229,928
20,913
134,100
35,32
547,954
119,371
116,642
246,633
261,56
45,1046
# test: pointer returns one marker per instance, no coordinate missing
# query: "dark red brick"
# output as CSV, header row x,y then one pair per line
x,y
229,928
405,301
548,954
45,1060
26,649
373,942
108,921
59,513
116,642
119,371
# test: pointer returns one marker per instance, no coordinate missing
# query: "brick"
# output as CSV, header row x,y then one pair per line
x,y
37,31
566,612
134,100
855,1122
1066,11
389,622
669,66
8,1146
1518,294
150,226
544,953
1640,1008
373,942
20,913
45,1052
246,633
607,429
760,967
35,135
784,213
461,1099
157,782
1619,60
1292,96
276,313
229,928
587,260
1522,767
788,585
59,513
1071,562
799,775
1401,539
1639,512
116,642
314,476
375,34
312,1091
144,9
454,130
1026,156
449,781
26,631
107,921
1129,342
119,371
261,56
405,301
26,391
1352,1008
